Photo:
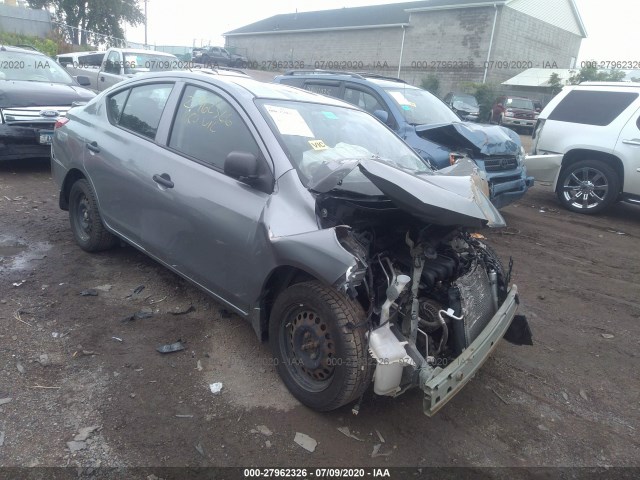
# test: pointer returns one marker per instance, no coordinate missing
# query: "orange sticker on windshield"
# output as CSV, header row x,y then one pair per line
x,y
317,145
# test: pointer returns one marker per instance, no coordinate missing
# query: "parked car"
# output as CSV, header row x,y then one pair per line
x,y
428,126
81,59
304,215
464,105
218,56
35,92
514,112
587,145
120,63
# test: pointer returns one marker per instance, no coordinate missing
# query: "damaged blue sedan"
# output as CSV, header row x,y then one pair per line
x,y
306,216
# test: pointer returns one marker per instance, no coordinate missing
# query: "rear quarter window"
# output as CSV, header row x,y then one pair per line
x,y
592,108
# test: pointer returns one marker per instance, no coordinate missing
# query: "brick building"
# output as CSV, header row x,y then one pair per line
x,y
455,40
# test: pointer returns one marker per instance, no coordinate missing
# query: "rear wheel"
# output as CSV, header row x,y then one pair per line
x,y
86,223
588,186
317,336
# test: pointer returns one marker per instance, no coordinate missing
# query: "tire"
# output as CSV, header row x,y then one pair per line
x,y
86,223
588,186
335,368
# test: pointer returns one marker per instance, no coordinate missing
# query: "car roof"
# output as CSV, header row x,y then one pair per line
x,y
7,48
243,85
358,77
610,84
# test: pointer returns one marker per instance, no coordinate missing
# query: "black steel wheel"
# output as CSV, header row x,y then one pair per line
x,y
86,223
588,186
317,336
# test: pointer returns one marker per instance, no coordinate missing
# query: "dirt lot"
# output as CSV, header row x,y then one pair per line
x,y
70,362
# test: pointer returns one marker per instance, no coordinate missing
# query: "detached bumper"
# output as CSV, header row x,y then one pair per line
x,y
443,387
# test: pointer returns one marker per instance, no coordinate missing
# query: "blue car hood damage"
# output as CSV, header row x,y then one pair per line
x,y
483,140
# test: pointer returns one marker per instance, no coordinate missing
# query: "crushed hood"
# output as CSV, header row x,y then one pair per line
x,y
454,199
480,139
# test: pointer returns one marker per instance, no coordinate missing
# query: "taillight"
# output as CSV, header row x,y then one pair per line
x,y
61,122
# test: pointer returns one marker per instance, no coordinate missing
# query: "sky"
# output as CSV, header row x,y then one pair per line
x,y
611,26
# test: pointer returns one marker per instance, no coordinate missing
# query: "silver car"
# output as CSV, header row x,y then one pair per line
x,y
306,216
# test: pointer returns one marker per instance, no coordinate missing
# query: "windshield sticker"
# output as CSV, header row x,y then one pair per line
x,y
317,145
330,115
289,121
401,99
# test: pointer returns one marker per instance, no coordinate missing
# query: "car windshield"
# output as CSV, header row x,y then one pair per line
x,y
318,138
32,68
420,107
523,103
147,62
466,99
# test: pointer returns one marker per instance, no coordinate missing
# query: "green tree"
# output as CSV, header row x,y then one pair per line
x,y
590,73
555,84
485,94
105,17
431,84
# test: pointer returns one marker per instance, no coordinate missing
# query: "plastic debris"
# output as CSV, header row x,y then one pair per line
x,y
200,449
215,387
143,313
117,339
17,284
91,292
380,436
104,288
377,453
199,366
171,347
4,401
565,396
267,444
608,336
183,310
20,368
583,394
75,446
138,289
305,441
264,430
345,431
44,360
85,432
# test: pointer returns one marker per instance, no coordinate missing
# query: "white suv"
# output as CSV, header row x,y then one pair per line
x,y
586,142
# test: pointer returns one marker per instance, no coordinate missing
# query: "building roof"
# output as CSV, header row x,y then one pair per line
x,y
539,77
374,16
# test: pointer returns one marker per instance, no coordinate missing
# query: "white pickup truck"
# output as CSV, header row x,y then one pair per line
x,y
120,63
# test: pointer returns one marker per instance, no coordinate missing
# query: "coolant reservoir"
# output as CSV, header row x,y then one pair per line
x,y
391,357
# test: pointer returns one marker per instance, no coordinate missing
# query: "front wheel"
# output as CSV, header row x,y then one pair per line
x,y
317,336
588,186
86,223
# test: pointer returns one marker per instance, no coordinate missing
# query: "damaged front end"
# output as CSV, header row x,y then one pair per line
x,y
437,297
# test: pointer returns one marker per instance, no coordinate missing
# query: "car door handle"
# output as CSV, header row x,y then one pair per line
x,y
633,141
93,146
102,79
164,180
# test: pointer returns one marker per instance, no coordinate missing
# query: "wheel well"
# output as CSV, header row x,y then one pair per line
x,y
280,279
577,155
69,180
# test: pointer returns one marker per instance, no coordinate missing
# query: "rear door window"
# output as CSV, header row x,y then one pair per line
x,y
592,107
331,89
143,109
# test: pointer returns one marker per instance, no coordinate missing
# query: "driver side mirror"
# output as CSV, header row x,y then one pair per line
x,y
381,115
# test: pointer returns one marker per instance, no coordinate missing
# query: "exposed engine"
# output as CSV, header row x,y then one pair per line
x,y
428,290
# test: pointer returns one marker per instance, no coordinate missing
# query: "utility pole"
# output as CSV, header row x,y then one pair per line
x,y
145,23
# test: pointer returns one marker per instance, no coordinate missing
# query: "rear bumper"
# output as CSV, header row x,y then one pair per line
x,y
441,388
